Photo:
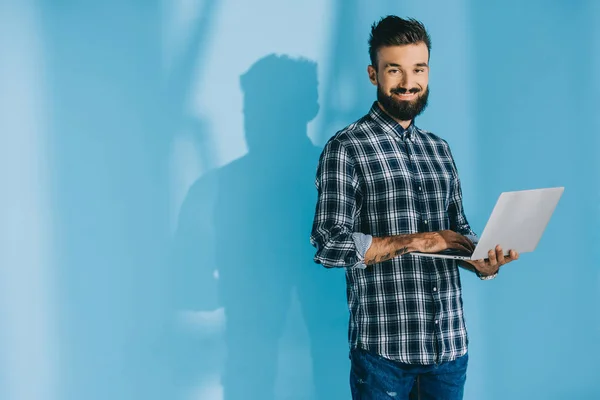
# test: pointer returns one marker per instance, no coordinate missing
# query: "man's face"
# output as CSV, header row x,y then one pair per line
x,y
402,79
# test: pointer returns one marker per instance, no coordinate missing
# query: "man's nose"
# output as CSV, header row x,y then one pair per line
x,y
407,82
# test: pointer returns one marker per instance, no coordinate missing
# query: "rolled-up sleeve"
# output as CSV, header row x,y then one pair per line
x,y
338,198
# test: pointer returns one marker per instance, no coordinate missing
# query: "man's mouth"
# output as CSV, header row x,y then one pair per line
x,y
406,96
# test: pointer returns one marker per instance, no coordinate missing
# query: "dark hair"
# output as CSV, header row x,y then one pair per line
x,y
395,31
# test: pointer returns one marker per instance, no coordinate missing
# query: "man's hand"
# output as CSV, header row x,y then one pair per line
x,y
495,260
434,242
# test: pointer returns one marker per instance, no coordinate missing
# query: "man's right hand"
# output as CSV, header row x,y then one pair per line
x,y
434,242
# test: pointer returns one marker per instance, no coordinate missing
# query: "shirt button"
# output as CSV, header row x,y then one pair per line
x,y
425,222
436,321
435,289
420,188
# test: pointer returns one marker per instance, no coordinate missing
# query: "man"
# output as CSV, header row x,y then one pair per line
x,y
386,189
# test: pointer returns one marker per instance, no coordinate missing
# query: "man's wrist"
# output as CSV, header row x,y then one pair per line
x,y
479,274
485,277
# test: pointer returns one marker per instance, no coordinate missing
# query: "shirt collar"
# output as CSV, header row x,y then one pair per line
x,y
390,126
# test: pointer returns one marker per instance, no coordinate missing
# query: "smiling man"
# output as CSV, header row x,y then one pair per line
x,y
386,189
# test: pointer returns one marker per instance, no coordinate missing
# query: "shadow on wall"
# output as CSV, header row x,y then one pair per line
x,y
242,247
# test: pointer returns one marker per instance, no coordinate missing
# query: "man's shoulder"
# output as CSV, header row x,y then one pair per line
x,y
432,137
355,133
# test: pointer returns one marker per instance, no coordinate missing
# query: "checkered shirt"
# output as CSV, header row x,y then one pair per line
x,y
376,178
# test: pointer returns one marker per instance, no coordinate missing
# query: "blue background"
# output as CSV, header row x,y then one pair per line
x,y
156,206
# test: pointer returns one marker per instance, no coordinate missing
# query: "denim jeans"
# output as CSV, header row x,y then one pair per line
x,y
373,377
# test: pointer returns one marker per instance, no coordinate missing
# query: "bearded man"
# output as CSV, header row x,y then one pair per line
x,y
387,189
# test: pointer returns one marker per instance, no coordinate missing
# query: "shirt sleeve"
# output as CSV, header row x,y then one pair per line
x,y
456,213
362,243
458,220
338,195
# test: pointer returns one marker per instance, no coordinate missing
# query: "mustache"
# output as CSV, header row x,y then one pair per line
x,y
404,90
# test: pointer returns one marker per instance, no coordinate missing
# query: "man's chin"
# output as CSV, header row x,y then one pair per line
x,y
401,111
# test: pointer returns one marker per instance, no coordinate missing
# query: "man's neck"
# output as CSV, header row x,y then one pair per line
x,y
404,124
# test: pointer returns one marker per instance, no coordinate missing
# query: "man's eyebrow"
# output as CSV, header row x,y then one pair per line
x,y
422,64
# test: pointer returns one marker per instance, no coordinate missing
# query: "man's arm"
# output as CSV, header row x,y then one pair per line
x,y
386,248
456,213
485,269
337,204
459,223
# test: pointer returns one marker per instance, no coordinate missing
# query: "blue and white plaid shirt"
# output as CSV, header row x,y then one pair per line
x,y
376,178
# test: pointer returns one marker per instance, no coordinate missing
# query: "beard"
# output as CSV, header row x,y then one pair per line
x,y
403,110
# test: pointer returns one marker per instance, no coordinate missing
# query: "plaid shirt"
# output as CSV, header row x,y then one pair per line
x,y
379,179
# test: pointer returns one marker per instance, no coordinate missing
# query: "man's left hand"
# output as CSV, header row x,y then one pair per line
x,y
495,260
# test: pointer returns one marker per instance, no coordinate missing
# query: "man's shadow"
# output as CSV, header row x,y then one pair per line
x,y
250,222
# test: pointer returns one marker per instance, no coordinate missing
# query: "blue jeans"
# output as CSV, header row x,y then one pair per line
x,y
373,377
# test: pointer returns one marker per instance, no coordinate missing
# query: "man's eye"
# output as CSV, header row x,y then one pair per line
x,y
419,70
393,71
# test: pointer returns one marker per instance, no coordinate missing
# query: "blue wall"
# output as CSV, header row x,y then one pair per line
x,y
158,161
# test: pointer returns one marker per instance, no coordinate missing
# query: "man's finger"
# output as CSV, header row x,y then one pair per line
x,y
500,255
492,257
461,247
471,244
512,256
463,240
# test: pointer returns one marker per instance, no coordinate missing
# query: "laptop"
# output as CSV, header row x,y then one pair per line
x,y
516,223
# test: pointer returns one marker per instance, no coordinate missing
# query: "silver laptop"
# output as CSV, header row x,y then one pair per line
x,y
517,223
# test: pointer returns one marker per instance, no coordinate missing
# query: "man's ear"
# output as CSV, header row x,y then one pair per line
x,y
372,74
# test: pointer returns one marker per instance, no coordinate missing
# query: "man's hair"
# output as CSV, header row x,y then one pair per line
x,y
395,31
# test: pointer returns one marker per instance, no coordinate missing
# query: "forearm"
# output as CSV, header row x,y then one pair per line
x,y
387,247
